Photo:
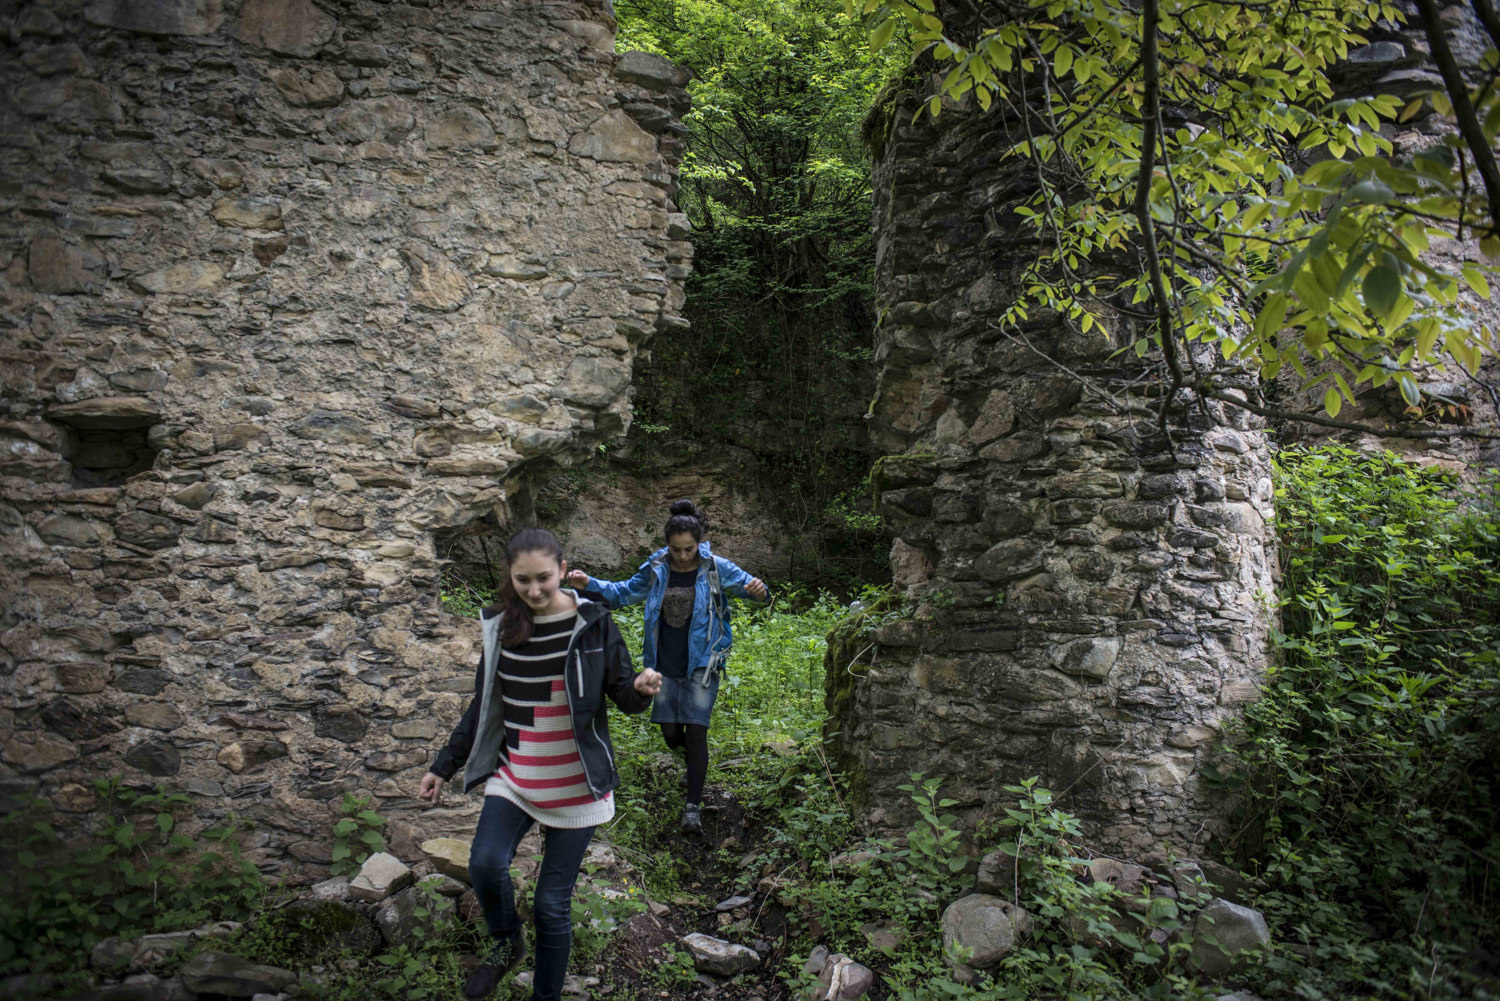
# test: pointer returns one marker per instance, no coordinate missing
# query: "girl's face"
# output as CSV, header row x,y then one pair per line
x,y
682,551
536,576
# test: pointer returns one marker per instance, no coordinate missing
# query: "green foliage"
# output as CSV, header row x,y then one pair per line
x,y
1170,144
137,873
598,911
777,188
356,836
1372,804
932,859
1089,939
426,968
678,971
772,691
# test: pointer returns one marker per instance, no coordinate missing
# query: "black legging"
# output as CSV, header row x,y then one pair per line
x,y
693,740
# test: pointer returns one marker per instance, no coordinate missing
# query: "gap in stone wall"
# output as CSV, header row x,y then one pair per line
x,y
107,457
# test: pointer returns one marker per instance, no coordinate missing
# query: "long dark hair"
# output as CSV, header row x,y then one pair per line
x,y
685,517
518,618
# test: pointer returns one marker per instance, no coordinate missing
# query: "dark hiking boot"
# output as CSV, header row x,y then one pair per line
x,y
692,819
497,964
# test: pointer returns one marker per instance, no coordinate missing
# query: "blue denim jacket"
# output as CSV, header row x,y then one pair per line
x,y
709,636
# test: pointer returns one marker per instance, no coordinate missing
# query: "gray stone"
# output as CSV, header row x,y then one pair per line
x,y
60,266
1235,930
1377,53
246,755
460,128
42,753
66,717
342,723
648,70
290,27
1010,560
996,875
595,382
223,174
449,856
979,931
380,876
139,180
155,757
143,681
1092,658
842,979
721,958
248,212
158,17
395,761
335,888
367,54
318,89
334,427
195,496
223,973
82,678
188,276
154,716
614,137
65,530
386,119
398,918
414,729
435,282
149,531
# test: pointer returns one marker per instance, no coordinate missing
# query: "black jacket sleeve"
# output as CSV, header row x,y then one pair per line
x,y
619,672
454,753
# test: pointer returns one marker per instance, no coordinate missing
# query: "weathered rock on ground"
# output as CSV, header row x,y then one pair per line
x,y
294,293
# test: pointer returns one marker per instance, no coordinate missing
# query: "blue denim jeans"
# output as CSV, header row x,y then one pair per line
x,y
502,825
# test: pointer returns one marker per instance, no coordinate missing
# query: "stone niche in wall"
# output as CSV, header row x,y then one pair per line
x,y
1089,599
288,288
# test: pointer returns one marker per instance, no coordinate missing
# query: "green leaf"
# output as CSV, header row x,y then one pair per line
x,y
1332,402
1475,277
1409,391
1381,288
882,34
1372,191
1063,61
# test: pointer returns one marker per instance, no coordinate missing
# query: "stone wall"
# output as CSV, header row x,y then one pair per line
x,y
289,287
1090,601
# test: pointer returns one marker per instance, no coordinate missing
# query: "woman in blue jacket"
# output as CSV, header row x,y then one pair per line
x,y
685,588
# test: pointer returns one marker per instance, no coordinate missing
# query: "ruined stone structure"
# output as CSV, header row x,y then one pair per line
x,y
290,289
1091,603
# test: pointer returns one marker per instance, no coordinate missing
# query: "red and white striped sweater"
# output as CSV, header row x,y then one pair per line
x,y
540,770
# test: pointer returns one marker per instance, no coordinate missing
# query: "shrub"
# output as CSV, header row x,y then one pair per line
x,y
1369,792
135,874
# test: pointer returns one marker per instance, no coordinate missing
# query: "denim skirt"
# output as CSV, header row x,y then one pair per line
x,y
686,700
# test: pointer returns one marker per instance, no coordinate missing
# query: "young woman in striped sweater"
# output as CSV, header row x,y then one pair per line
x,y
536,735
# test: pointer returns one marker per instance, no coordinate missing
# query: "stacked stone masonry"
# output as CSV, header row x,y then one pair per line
x,y
1091,602
286,288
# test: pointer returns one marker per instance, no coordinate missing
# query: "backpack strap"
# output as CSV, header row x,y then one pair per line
x,y
715,587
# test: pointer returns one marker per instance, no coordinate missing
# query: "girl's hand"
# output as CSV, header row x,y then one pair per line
x,y
578,580
431,788
757,589
648,682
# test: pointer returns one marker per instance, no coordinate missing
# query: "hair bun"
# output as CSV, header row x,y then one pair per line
x,y
686,507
